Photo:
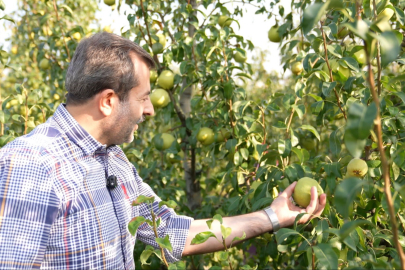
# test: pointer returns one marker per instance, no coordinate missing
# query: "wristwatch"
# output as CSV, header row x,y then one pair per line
x,y
273,218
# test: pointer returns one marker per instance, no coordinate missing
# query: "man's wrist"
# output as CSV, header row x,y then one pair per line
x,y
273,218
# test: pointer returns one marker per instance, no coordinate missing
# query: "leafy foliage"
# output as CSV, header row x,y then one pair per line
x,y
281,128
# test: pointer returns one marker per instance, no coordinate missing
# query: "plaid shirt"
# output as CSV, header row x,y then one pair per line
x,y
55,209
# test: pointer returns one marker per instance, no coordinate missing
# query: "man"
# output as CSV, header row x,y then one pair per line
x,y
56,210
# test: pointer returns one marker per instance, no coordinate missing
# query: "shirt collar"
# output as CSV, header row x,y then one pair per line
x,y
75,132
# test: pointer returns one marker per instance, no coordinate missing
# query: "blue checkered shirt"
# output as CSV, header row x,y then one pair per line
x,y
55,209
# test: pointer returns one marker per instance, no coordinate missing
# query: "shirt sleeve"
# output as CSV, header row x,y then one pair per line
x,y
28,208
176,226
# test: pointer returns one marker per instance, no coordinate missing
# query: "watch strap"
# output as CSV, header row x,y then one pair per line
x,y
273,218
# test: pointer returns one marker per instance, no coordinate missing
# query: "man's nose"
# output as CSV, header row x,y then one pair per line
x,y
149,110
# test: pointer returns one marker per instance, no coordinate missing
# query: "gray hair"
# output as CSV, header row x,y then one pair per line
x,y
100,62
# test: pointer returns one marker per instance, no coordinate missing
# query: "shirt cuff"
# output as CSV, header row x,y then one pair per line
x,y
178,230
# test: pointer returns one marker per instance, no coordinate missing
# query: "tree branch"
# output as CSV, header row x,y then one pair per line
x,y
384,163
330,71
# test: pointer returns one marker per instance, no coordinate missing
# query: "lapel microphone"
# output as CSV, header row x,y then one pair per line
x,y
112,182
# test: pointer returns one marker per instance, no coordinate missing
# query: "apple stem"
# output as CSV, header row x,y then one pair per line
x,y
330,71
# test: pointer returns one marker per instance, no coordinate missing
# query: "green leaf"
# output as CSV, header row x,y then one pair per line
x,y
165,243
209,223
399,13
172,266
345,194
67,8
351,63
312,15
145,256
228,90
317,107
322,230
237,238
350,226
335,144
311,129
359,27
326,257
327,87
284,147
169,203
143,199
211,51
245,153
202,237
7,18
360,120
225,231
135,223
223,255
218,217
335,49
354,145
390,47
284,233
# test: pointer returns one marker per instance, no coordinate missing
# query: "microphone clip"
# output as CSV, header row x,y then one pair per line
x,y
112,182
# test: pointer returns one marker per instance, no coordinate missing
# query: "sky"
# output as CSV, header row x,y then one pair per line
x,y
253,27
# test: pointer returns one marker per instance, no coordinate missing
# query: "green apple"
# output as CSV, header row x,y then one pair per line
x,y
109,2
239,57
308,143
166,80
157,48
223,21
273,34
14,49
222,135
153,76
205,136
297,68
159,98
360,56
163,141
302,191
374,62
77,36
357,167
44,64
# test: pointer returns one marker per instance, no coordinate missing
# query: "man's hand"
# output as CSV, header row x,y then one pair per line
x,y
254,224
286,211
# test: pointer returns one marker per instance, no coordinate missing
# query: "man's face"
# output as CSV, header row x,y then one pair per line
x,y
132,111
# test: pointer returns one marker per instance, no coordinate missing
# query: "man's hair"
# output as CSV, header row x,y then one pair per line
x,y
100,62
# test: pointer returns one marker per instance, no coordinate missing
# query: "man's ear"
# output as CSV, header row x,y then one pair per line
x,y
107,101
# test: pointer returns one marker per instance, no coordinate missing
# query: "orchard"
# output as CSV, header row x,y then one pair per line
x,y
228,135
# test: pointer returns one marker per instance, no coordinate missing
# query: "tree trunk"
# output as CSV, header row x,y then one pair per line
x,y
193,188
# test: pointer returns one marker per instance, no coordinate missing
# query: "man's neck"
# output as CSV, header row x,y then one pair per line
x,y
88,119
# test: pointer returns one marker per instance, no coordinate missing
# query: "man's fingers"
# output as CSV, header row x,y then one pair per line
x,y
319,206
313,204
288,191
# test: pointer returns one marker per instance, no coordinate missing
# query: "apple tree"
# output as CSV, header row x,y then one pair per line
x,y
228,135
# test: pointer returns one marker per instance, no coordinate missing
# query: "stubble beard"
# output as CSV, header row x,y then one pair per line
x,y
123,125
